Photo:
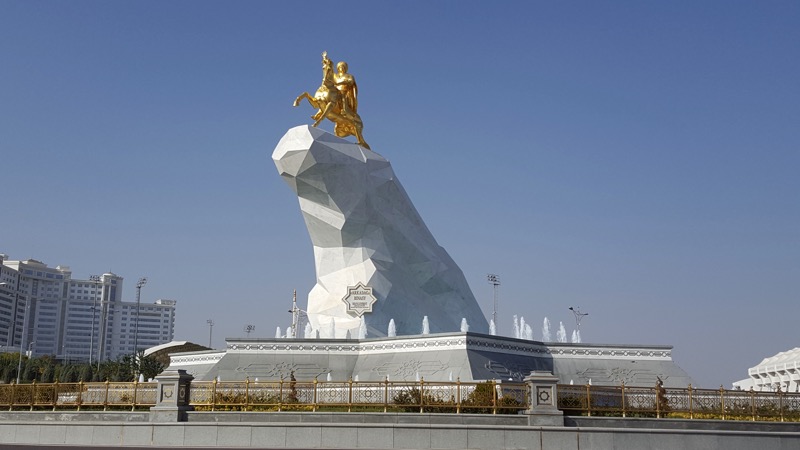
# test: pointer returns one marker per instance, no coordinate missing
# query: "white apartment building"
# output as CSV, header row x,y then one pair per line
x,y
76,320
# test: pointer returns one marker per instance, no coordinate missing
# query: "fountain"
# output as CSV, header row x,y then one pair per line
x,y
515,327
362,329
331,329
546,330
561,336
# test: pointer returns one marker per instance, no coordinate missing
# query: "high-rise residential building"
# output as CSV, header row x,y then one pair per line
x,y
77,320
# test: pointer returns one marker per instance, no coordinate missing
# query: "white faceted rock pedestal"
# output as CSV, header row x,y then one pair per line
x,y
365,229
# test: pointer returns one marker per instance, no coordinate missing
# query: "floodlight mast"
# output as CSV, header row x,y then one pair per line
x,y
578,316
248,329
142,281
210,329
494,280
297,314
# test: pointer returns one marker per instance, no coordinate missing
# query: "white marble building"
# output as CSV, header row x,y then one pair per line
x,y
781,370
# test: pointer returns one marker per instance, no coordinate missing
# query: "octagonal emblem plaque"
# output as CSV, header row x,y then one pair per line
x,y
359,299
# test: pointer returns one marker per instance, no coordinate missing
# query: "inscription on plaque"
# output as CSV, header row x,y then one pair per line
x,y
359,299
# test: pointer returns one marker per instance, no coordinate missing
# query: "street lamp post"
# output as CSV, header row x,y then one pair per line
x,y
210,329
578,316
102,325
249,329
494,280
142,281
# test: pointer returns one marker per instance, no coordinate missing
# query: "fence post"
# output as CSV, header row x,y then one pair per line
x,y
494,397
421,394
172,397
722,401
589,399
623,398
11,399
658,402
214,394
280,395
386,394
458,395
247,393
542,389
135,388
780,401
691,402
33,393
55,394
753,404
350,394
80,394
314,396
105,398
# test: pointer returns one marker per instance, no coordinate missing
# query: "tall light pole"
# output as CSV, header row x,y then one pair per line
x,y
102,325
249,329
142,281
297,315
96,280
210,329
494,280
578,316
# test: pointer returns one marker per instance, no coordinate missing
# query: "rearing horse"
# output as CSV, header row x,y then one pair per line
x,y
329,103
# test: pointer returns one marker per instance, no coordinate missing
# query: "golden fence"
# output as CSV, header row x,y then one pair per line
x,y
76,396
488,397
376,396
688,403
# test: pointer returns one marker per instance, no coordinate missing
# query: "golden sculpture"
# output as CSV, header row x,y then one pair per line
x,y
337,100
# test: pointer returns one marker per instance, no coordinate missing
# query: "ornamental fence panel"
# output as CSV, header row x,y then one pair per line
x,y
95,396
376,396
489,397
688,403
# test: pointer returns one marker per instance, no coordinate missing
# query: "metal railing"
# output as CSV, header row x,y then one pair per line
x,y
489,397
688,403
349,396
76,396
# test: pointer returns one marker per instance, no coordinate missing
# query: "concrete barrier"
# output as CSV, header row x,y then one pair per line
x,y
389,431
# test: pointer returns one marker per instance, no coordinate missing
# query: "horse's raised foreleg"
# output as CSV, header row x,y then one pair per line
x,y
301,97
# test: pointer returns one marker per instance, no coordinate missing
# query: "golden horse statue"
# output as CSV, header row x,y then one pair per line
x,y
336,100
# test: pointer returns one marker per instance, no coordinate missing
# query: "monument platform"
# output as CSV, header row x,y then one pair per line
x,y
435,357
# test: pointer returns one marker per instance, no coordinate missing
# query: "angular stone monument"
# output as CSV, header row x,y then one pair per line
x,y
367,235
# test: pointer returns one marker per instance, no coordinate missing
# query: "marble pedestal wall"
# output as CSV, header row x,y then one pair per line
x,y
436,357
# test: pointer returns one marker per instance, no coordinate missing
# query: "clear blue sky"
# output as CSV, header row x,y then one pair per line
x,y
640,160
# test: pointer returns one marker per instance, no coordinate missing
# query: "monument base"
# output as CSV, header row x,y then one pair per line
x,y
435,357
